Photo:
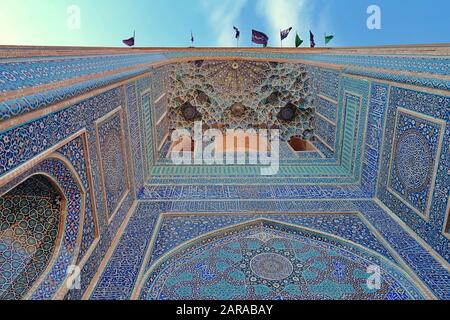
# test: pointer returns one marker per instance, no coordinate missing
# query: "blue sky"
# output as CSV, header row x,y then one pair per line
x,y
169,22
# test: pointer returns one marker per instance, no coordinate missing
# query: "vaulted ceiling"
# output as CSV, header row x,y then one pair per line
x,y
243,94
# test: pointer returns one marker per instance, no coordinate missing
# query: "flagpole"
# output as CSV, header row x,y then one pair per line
x,y
281,39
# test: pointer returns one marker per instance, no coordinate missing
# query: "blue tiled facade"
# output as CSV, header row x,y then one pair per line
x,y
379,188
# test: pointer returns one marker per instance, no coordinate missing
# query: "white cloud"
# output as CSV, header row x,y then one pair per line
x,y
282,14
222,16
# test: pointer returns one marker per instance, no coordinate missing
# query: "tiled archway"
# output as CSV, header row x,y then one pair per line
x,y
31,216
264,259
49,282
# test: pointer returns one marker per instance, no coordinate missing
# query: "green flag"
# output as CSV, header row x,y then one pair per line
x,y
328,38
298,41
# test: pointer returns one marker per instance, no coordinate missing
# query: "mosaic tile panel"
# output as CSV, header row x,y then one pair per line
x,y
160,81
352,115
69,246
374,136
177,229
111,146
429,110
21,105
160,107
30,216
93,263
354,96
148,140
326,131
118,278
414,63
327,109
432,272
74,151
135,133
429,270
23,73
434,275
234,264
268,192
117,284
243,95
327,81
21,143
414,153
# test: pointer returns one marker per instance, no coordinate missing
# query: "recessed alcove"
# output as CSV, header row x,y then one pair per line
x,y
300,145
30,230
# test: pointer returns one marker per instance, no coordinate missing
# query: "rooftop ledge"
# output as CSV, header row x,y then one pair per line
x,y
33,77
442,49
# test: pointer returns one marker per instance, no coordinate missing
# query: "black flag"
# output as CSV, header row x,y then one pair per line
x,y
238,33
311,39
130,42
284,34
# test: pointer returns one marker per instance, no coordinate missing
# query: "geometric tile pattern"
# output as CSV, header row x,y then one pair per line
x,y
423,119
120,274
326,81
74,151
413,160
416,122
28,72
30,217
22,143
374,136
266,260
326,131
298,169
68,246
118,279
258,90
135,132
111,146
25,73
327,109
354,64
174,230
